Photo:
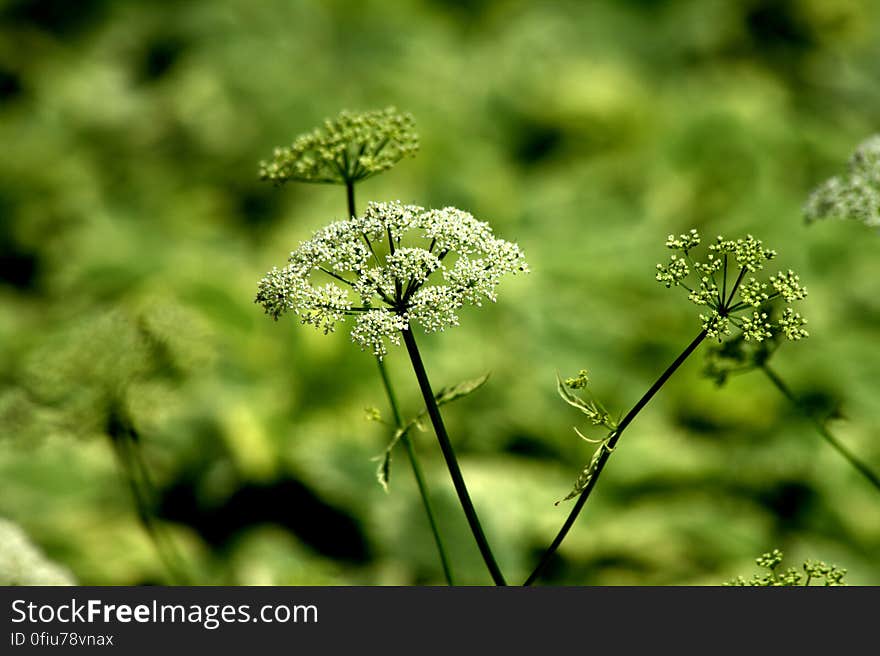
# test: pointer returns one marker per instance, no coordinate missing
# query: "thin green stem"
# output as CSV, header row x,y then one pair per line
x,y
417,473
820,427
723,282
397,284
358,169
152,494
346,167
742,273
398,420
335,275
451,460
614,437
143,494
743,305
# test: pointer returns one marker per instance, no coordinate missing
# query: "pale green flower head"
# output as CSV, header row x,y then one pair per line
x,y
351,147
723,283
854,195
814,572
394,266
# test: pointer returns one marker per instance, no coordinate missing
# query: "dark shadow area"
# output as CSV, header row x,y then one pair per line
x,y
793,503
158,57
19,266
533,447
285,502
61,18
11,85
533,141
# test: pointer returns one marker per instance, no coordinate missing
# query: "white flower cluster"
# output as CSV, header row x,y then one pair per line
x,y
854,195
377,267
721,284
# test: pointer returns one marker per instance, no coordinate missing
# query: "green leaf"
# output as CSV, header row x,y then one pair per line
x,y
444,396
595,411
383,473
589,471
455,392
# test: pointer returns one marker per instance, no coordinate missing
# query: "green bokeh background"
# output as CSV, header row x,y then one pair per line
x,y
133,231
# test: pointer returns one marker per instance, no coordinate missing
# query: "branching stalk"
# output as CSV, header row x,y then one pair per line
x,y
606,452
143,494
417,473
398,422
820,427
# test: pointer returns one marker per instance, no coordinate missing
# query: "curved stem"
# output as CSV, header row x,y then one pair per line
x,y
451,461
820,427
606,452
417,473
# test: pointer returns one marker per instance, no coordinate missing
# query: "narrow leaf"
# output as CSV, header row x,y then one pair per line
x,y
444,396
450,394
587,473
383,473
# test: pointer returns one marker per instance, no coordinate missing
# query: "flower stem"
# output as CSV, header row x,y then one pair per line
x,y
143,495
417,472
820,427
451,461
398,421
606,452
349,194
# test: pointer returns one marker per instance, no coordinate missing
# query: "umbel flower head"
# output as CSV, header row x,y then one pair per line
x,y
725,285
814,571
348,148
394,266
854,195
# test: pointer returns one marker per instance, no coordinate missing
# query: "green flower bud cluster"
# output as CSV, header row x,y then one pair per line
x,y
832,575
770,560
594,411
377,267
813,571
854,195
733,298
578,382
351,147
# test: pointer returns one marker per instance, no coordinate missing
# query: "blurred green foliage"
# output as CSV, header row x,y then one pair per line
x,y
134,228
22,564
